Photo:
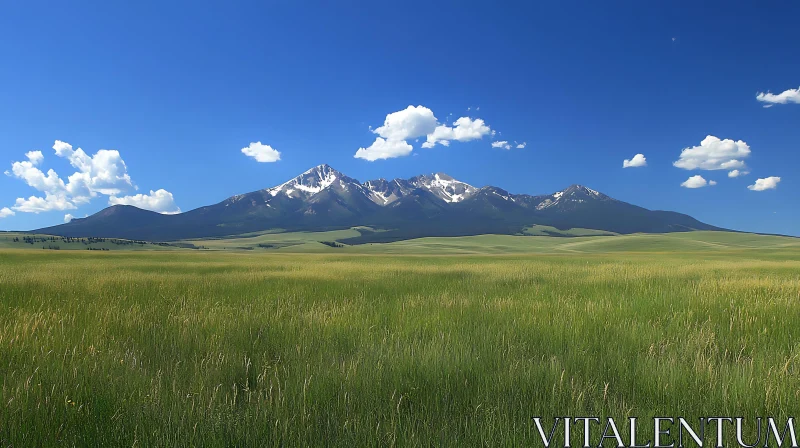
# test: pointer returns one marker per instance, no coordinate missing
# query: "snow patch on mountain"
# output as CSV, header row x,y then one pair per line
x,y
575,194
545,204
506,197
444,187
592,192
310,182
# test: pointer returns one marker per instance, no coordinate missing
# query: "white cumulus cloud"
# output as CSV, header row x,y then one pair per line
x,y
103,173
160,201
34,177
697,182
637,161
35,157
409,123
501,144
5,212
68,218
787,96
521,145
262,153
737,173
384,149
415,122
37,204
465,129
714,154
768,183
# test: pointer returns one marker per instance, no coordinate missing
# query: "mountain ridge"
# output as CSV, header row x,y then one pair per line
x,y
434,204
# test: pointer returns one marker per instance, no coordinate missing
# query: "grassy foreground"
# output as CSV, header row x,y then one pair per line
x,y
182,348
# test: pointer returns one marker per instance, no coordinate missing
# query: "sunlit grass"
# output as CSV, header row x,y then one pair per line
x,y
209,348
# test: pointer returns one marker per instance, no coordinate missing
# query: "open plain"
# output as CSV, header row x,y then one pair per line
x,y
349,347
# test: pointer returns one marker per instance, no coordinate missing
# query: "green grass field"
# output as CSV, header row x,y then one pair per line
x,y
540,230
573,241
506,244
535,241
346,348
20,240
275,239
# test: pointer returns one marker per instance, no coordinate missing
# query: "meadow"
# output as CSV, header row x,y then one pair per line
x,y
352,348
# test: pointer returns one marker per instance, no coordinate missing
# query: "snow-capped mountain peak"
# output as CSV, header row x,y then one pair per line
x,y
450,190
576,189
444,187
498,192
383,192
572,195
309,183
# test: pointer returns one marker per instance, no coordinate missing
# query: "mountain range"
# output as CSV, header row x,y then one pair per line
x,y
427,205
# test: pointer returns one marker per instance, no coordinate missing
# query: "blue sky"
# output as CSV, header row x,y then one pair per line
x,y
179,89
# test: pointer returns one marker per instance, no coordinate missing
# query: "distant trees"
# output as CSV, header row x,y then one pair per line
x,y
90,243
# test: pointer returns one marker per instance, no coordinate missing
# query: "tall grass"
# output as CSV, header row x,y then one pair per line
x,y
177,348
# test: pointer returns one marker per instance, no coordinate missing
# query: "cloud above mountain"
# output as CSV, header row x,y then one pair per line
x,y
638,160
737,173
384,149
103,173
697,182
714,154
37,204
160,201
501,144
415,122
785,97
5,212
262,153
409,123
28,172
768,183
34,157
465,129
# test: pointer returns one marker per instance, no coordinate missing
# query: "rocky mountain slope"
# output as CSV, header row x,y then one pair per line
x,y
426,205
